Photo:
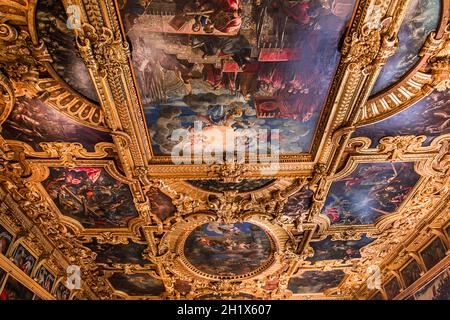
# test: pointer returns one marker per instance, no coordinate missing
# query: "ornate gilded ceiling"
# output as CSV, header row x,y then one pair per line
x,y
109,107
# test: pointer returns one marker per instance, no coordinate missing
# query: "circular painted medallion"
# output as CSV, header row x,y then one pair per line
x,y
228,250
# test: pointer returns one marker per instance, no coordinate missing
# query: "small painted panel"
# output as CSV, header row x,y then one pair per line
x,y
434,253
5,240
131,253
429,117
160,204
24,259
392,288
339,249
298,203
45,279
14,290
182,286
61,292
411,273
91,196
371,191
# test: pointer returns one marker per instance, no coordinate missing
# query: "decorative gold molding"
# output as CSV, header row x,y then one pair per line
x,y
370,39
26,60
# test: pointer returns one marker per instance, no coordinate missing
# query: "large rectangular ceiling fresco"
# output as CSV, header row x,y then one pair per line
x,y
233,64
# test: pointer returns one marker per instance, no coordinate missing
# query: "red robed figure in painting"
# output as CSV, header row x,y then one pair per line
x,y
292,107
229,4
288,103
227,18
273,74
224,15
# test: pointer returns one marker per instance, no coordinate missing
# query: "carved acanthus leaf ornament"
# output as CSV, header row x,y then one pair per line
x,y
102,50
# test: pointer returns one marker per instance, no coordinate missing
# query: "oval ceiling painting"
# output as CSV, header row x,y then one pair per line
x,y
228,250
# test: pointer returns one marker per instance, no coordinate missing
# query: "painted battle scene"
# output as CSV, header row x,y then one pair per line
x,y
422,17
131,253
392,289
437,289
411,273
339,249
298,203
32,121
228,249
160,204
138,284
91,196
246,185
430,117
371,191
24,260
14,290
61,292
234,64
52,24
315,281
434,253
45,278
5,240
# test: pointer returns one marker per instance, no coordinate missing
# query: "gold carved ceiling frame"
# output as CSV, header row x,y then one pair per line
x,y
369,41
